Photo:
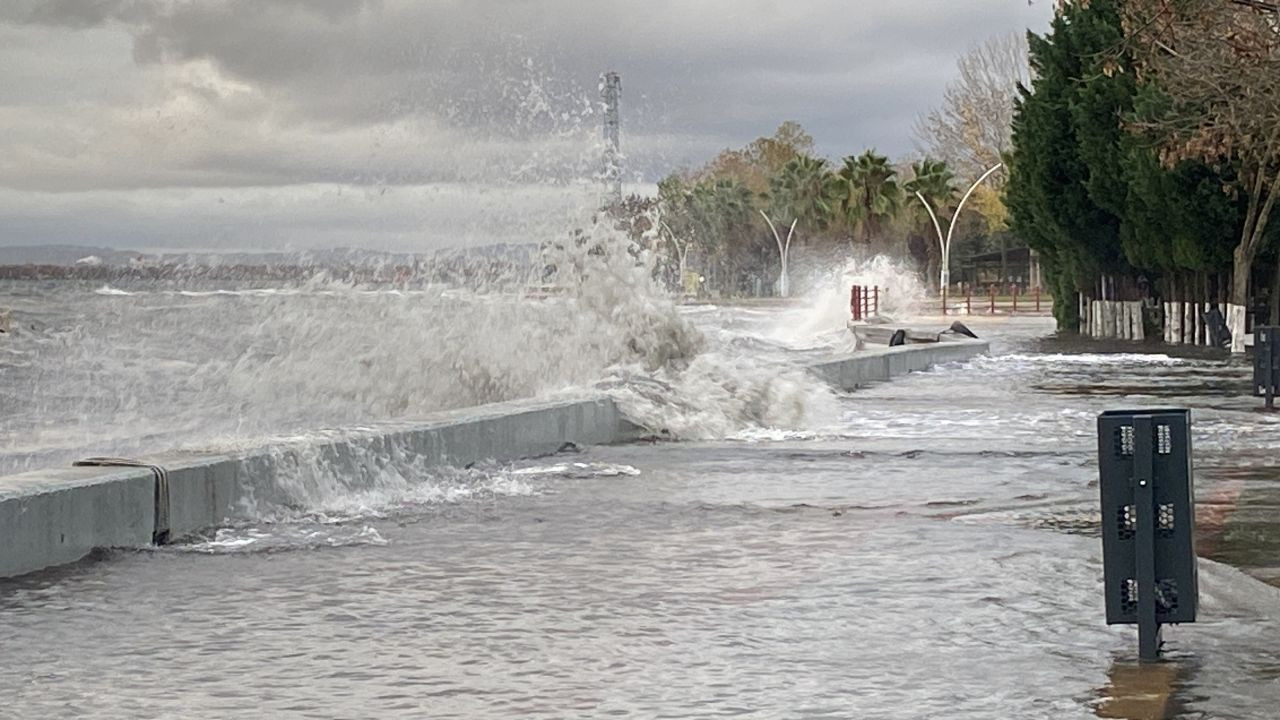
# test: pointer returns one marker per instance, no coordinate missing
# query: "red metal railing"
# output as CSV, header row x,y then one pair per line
x,y
864,301
1011,299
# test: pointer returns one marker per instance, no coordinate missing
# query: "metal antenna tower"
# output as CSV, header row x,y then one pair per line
x,y
611,89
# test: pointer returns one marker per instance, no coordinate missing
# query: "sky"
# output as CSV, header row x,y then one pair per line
x,y
418,124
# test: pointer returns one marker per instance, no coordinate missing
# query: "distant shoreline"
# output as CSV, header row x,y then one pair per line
x,y
173,271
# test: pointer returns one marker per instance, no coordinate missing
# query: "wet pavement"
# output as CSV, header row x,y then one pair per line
x,y
931,553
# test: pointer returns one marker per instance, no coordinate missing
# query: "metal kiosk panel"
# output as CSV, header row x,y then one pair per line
x,y
1148,526
1266,362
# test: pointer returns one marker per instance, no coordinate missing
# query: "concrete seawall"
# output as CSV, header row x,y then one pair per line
x,y
849,372
58,515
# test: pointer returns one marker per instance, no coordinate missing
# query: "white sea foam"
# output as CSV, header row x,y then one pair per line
x,y
1100,359
818,317
577,469
110,291
145,370
278,538
318,500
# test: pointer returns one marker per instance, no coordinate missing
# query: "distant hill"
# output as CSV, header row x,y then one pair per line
x,y
62,255
488,266
334,257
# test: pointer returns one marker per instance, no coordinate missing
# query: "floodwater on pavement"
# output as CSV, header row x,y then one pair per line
x,y
932,552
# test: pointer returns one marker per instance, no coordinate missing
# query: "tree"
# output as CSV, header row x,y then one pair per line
x,y
1051,203
715,222
870,194
762,159
714,213
802,194
1092,185
727,213
804,191
1217,68
971,131
989,202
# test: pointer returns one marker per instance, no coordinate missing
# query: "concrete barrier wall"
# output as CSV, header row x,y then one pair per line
x,y
879,364
58,515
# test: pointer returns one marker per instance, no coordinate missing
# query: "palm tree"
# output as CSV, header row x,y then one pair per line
x,y
871,195
933,184
804,191
933,179
731,206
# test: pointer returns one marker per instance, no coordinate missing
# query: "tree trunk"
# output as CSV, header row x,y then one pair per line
x,y
1242,264
1165,308
1205,304
1188,309
1274,300
1256,219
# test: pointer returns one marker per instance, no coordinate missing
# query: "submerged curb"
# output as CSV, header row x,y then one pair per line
x,y
57,516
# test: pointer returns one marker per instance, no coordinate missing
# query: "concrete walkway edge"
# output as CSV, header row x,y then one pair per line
x,y
57,516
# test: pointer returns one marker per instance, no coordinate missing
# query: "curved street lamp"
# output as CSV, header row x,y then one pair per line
x,y
682,252
944,244
784,249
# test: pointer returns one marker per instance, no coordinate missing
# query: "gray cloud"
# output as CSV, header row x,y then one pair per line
x,y
130,95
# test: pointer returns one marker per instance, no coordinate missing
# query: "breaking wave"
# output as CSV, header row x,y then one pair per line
x,y
145,369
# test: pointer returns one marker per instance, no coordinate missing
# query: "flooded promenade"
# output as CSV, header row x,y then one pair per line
x,y
932,551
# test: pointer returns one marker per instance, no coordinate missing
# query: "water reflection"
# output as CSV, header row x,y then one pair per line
x,y
1142,691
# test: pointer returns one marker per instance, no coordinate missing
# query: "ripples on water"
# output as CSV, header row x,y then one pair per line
x,y
88,373
929,550
103,370
129,372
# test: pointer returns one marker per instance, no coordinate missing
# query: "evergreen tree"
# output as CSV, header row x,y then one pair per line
x,y
1048,190
1087,189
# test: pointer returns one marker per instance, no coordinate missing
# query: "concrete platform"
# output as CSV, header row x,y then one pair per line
x,y
878,364
59,515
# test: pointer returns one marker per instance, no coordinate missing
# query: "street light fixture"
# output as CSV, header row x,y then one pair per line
x,y
944,244
784,250
682,252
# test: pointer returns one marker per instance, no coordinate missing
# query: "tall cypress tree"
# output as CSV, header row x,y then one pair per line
x,y
1087,190
1048,192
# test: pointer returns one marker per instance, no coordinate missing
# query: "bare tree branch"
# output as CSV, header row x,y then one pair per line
x,y
970,131
1219,65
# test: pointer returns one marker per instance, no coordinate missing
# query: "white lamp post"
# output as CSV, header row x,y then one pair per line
x,y
944,244
681,252
784,249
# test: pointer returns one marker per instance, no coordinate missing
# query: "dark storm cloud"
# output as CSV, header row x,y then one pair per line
x,y
78,13
88,13
124,95
714,69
